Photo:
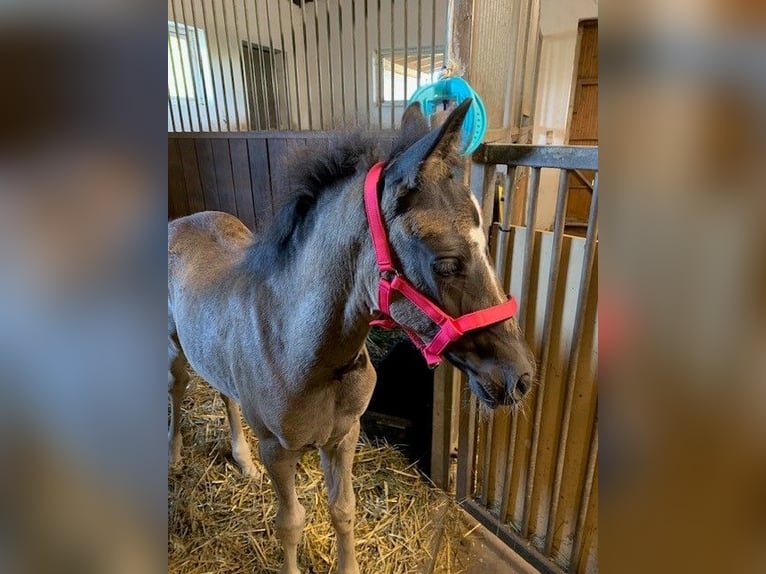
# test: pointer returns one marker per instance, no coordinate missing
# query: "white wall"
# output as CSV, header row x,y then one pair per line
x,y
558,24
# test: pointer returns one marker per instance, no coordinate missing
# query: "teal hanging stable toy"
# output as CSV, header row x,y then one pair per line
x,y
452,91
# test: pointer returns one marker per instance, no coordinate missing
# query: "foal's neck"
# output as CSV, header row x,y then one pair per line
x,y
333,276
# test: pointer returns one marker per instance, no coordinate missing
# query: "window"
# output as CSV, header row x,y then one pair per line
x,y
188,60
398,65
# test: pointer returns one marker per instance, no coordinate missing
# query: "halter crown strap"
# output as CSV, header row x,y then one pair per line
x,y
375,218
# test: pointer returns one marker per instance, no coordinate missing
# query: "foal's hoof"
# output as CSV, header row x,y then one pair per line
x,y
252,472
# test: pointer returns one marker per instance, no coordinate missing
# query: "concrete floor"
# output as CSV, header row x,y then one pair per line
x,y
484,553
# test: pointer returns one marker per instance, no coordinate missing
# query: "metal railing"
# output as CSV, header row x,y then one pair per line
x,y
242,65
531,481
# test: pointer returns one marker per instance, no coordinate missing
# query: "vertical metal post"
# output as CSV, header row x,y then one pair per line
x,y
183,72
220,67
331,77
175,81
420,39
196,95
264,98
281,121
393,53
170,110
309,98
587,490
247,85
212,76
319,68
367,63
288,95
202,68
298,102
342,66
406,50
231,65
379,79
353,52
241,55
574,361
433,38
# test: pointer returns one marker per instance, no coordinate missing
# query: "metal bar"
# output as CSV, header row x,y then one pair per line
x,y
393,97
241,60
183,72
466,443
196,96
212,76
288,96
331,78
252,123
202,68
562,157
342,65
264,98
298,100
175,81
220,67
574,361
420,39
170,109
518,544
379,79
367,63
581,176
280,120
309,100
231,66
353,52
433,39
502,246
533,189
319,67
406,50
587,491
487,458
558,237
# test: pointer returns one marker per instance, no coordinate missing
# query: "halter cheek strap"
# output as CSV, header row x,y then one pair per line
x,y
450,329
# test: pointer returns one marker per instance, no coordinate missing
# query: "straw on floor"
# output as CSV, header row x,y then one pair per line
x,y
221,522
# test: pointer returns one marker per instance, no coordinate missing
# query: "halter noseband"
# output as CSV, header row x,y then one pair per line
x,y
450,329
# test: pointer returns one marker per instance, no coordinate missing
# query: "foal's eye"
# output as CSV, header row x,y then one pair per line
x,y
446,266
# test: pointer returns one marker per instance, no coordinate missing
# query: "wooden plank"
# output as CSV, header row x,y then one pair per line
x,y
260,182
191,175
206,167
278,152
223,176
567,157
466,443
177,203
243,193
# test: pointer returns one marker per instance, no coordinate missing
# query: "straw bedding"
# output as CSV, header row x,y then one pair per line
x,y
221,522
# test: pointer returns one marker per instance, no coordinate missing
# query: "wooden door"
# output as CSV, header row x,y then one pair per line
x,y
583,124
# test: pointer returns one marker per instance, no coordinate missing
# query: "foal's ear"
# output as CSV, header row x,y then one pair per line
x,y
432,156
414,126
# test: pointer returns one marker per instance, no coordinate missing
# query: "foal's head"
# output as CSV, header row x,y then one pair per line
x,y
435,229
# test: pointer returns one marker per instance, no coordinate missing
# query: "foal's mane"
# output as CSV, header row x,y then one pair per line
x,y
313,173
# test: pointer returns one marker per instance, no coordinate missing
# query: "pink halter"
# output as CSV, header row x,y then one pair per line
x,y
450,329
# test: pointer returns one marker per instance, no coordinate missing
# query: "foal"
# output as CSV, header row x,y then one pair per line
x,y
278,323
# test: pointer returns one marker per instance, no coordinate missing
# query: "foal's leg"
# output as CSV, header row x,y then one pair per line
x,y
281,464
239,445
178,378
336,465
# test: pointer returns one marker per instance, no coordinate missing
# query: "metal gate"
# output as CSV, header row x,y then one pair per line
x,y
531,476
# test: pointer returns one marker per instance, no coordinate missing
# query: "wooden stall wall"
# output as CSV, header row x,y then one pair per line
x,y
245,174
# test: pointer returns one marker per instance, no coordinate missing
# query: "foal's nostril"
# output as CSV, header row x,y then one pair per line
x,y
523,384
